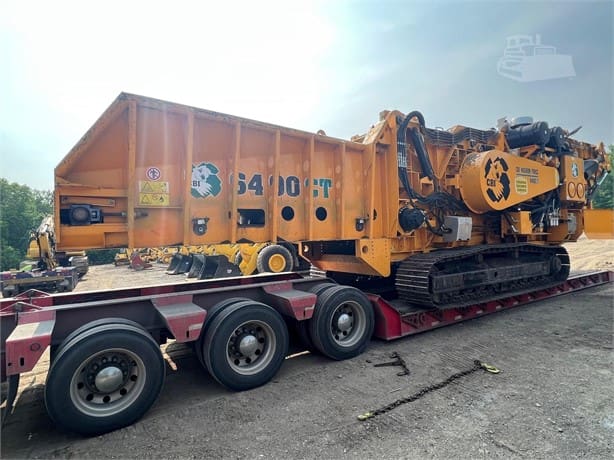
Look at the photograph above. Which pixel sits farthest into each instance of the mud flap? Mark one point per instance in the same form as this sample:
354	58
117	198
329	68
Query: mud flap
179	264
13	385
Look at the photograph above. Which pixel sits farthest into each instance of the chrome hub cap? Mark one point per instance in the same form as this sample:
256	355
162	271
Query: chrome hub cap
108	382
344	322
248	345
251	347
109	379
348	324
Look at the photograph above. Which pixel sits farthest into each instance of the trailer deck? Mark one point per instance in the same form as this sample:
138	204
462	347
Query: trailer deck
35	320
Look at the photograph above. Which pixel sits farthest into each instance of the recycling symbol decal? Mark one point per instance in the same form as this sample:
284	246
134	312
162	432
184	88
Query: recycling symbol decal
497	180
205	180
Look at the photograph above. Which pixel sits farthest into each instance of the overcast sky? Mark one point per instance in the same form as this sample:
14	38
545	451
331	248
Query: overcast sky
309	65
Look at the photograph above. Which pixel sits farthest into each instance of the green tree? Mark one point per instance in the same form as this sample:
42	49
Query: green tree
604	197
21	210
102	256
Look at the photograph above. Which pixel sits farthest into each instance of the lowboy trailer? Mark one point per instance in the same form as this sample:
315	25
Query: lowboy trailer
107	367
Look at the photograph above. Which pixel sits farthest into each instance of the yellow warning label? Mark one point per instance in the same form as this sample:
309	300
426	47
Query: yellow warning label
154	199
522	185
147	186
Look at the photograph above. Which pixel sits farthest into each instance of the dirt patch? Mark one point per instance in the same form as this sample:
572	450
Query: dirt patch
103	277
588	254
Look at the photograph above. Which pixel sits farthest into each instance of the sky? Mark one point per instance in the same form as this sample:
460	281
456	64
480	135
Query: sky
331	65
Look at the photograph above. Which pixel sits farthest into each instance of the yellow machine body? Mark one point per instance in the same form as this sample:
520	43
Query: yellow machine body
599	223
494	180
151	173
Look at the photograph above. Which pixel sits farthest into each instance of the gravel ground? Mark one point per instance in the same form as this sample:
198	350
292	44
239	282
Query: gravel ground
554	398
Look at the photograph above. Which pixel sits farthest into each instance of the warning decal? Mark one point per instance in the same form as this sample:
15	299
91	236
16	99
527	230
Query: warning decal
153	193
153	173
521	185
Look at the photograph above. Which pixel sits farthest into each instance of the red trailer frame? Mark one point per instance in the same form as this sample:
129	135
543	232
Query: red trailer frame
34	321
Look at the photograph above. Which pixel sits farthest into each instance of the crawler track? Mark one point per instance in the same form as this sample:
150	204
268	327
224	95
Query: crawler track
460	277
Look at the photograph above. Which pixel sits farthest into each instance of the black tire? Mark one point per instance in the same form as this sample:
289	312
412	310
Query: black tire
342	323
211	314
302	327
299	264
56	349
319	289
252	325
6	293
274	259
66	285
73	393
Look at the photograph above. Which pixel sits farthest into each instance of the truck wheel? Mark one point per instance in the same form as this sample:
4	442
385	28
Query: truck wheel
9	292
64	286
274	259
55	350
302	327
342	323
211	314
245	345
104	379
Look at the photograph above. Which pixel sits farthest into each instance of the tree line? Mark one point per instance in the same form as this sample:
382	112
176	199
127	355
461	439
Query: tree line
22	209
604	197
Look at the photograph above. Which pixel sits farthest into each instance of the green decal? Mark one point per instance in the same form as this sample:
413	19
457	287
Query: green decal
205	180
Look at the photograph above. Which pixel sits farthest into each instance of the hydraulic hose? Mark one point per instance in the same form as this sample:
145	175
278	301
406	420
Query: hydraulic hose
402	149
412	114
420	148
439	199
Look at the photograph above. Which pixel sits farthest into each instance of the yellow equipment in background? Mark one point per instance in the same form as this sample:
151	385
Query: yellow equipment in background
250	258
45	268
42	254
